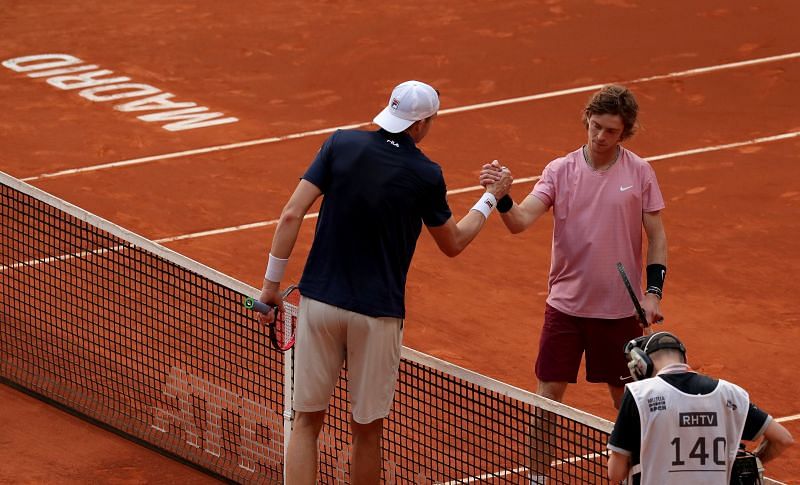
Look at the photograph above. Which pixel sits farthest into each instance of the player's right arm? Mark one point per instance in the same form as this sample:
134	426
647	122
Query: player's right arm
305	194
619	466
625	439
452	237
295	210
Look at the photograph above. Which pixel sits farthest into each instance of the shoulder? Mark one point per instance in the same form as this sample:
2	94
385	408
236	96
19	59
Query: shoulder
632	157
638	388
349	136
432	171
568	160
735	388
635	162
563	166
421	164
690	382
646	387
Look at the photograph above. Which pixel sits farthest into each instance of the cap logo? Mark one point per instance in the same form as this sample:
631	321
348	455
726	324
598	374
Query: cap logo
395	103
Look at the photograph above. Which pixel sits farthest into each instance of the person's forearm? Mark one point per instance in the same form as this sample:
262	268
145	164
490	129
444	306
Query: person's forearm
515	219
656	238
776	440
770	451
523	215
468	228
657	250
618	466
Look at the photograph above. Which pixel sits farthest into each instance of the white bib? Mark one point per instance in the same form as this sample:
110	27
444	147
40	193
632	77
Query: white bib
689	438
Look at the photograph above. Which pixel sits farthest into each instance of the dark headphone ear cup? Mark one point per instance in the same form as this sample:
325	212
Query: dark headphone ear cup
640	364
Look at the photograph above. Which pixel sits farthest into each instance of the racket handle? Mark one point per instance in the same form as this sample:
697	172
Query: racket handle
258	306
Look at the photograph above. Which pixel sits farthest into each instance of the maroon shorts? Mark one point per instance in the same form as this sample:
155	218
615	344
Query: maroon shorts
565	338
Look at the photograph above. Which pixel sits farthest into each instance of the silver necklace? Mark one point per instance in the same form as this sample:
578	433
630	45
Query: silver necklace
590	162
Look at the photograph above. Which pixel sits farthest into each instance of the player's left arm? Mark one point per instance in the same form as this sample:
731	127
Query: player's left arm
656	254
776	439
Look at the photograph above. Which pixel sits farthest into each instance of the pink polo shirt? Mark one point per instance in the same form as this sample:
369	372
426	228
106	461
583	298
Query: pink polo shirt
597	223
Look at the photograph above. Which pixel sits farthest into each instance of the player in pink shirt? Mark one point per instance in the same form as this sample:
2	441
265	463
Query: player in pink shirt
601	195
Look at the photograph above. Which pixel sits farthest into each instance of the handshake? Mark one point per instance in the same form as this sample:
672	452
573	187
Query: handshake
496	179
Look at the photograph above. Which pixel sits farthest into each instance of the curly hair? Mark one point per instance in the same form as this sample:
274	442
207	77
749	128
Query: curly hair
615	100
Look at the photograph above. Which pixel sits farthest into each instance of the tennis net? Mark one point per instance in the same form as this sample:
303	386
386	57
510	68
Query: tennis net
159	347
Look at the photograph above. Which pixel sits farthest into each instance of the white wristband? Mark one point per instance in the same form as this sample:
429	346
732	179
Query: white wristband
275	269
485	204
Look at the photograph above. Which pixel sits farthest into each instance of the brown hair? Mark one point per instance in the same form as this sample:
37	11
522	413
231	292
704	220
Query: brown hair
615	100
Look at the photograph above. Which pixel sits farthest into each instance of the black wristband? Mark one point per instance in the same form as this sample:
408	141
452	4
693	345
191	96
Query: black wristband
505	203
655	279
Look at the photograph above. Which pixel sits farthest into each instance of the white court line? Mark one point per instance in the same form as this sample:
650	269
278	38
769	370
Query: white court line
593	87
523	469
476	188
64	257
783	136
481	478
570	460
576	459
197	151
472	107
565	461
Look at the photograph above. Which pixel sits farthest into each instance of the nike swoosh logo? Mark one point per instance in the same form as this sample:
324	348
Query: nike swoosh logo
623	189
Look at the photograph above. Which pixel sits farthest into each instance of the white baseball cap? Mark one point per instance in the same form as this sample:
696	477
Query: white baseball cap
410	101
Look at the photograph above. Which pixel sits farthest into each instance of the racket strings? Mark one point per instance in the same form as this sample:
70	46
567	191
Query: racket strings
286	322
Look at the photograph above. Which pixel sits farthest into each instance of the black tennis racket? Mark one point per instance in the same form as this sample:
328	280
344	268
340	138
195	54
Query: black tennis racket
284	322
634	299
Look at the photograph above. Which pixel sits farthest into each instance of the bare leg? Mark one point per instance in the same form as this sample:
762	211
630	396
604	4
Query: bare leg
616	394
365	468
544	431
552	390
302	457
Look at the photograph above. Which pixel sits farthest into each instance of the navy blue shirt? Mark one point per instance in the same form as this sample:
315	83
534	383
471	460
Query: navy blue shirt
378	189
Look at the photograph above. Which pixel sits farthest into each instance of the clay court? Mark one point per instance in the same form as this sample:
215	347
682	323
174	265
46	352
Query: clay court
717	86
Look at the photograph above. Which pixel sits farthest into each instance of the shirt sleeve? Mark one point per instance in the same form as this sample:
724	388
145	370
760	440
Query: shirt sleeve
652	200
437	211
755	424
626	436
545	188
319	172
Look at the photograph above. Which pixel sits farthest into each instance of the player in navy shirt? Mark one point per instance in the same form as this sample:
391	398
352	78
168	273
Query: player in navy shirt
378	190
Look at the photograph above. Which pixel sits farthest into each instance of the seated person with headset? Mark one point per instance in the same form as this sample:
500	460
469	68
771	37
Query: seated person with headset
684	427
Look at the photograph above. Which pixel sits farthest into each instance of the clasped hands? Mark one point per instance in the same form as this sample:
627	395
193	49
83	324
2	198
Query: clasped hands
496	178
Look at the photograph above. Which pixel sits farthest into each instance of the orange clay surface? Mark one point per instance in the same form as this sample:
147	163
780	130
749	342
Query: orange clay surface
732	214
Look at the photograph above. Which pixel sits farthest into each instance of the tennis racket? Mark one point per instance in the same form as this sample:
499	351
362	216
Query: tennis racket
284	322
634	299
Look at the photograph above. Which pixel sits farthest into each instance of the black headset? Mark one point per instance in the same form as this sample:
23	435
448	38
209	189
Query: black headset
638	351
